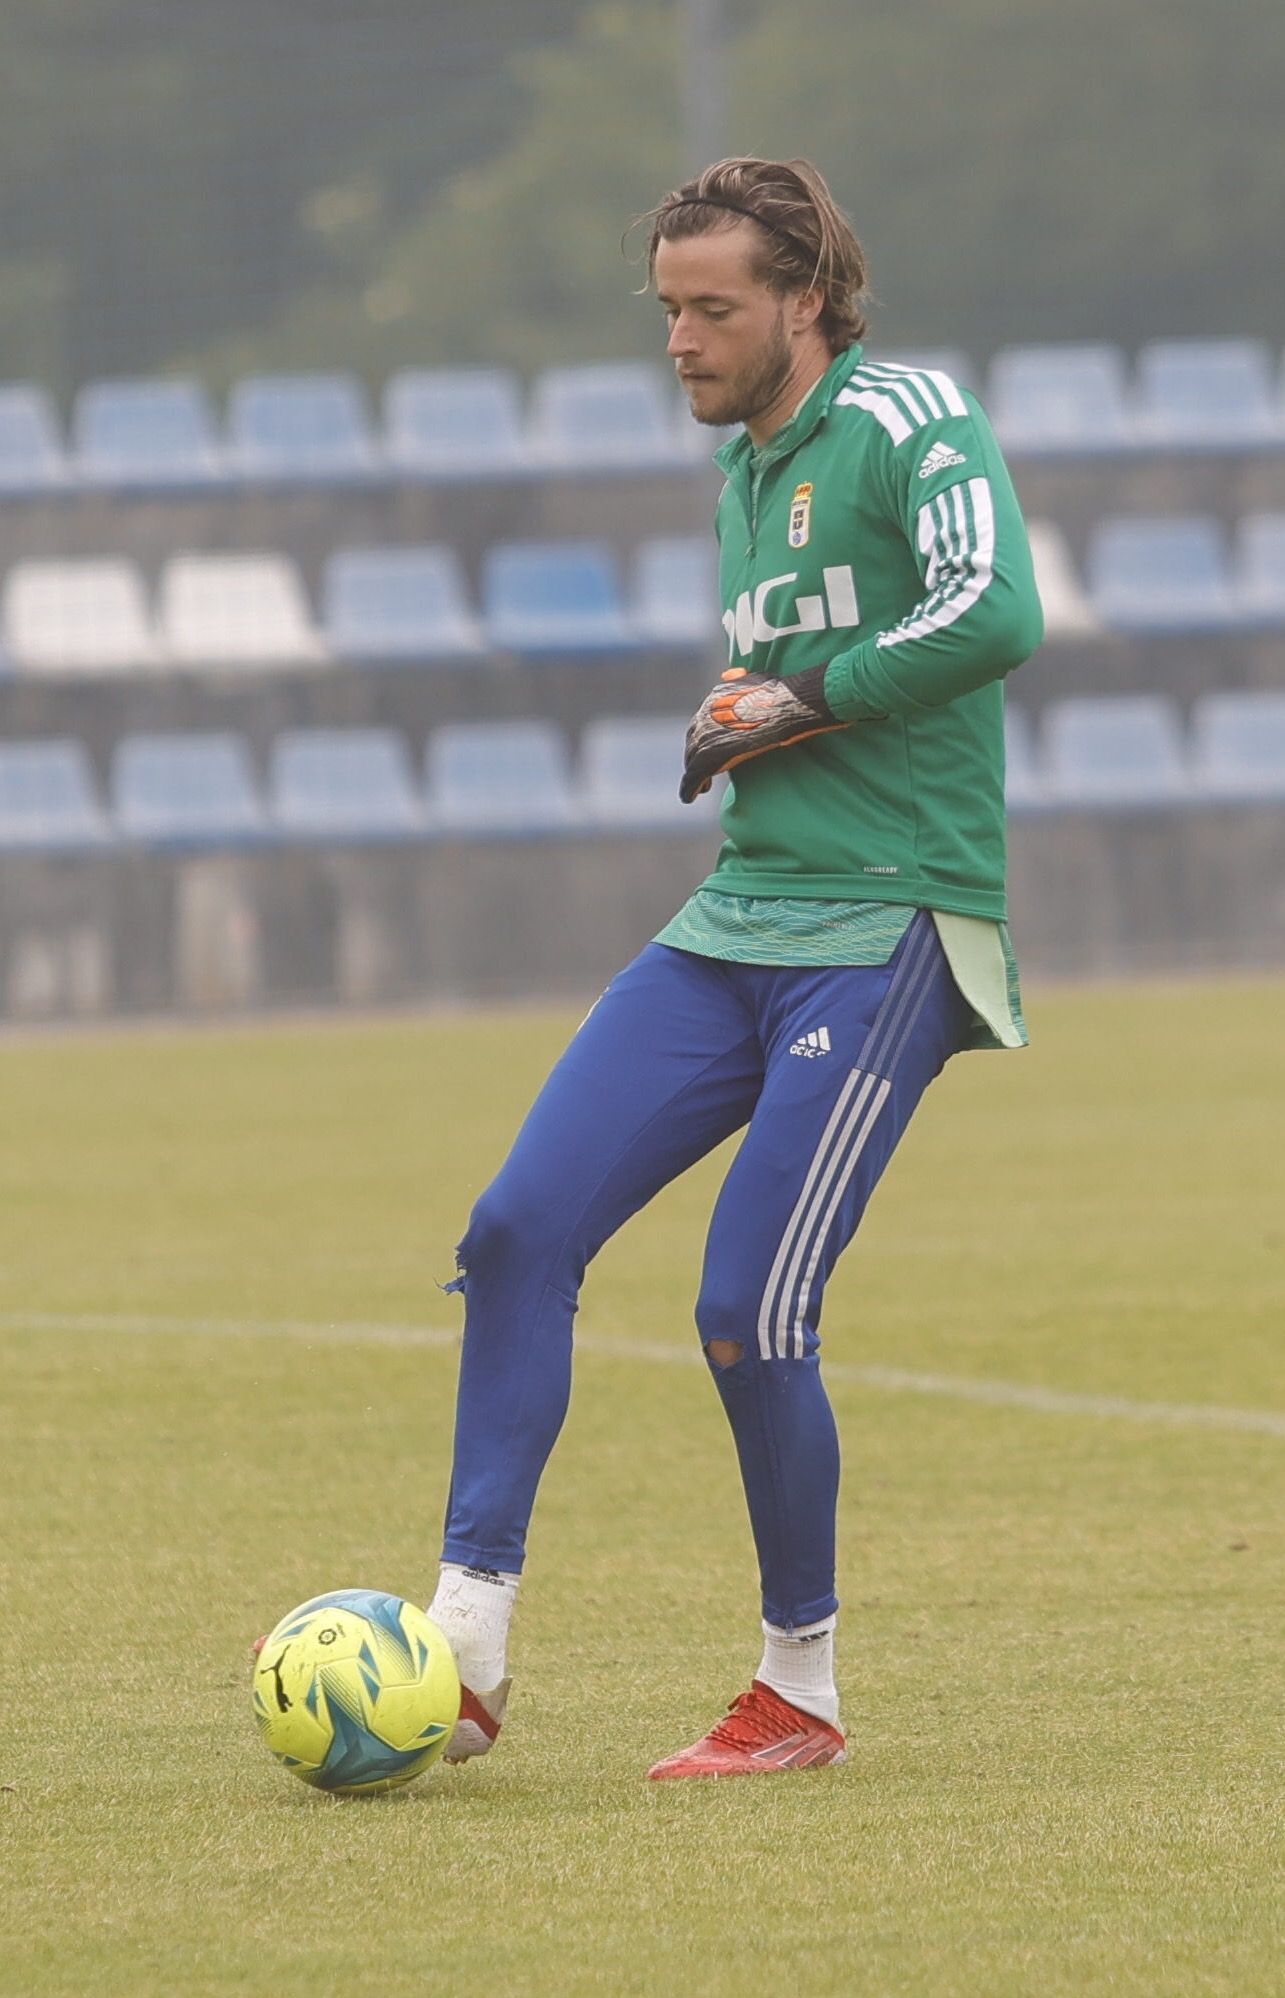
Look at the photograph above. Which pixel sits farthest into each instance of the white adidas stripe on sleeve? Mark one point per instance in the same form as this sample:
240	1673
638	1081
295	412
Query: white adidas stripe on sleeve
963	571
902	399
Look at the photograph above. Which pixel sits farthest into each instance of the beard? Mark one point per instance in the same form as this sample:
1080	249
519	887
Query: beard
755	388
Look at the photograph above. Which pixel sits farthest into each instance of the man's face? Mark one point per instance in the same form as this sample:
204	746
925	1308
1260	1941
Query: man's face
729	335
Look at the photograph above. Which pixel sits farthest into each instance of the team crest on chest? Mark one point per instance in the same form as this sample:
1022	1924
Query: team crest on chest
801	516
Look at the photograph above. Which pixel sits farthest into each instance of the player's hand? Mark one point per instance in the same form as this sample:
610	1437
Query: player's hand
746	715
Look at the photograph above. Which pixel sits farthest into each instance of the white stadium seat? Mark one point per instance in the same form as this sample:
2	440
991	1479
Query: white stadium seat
78	617
237	610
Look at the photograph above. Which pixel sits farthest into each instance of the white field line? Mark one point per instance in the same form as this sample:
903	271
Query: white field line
888	1380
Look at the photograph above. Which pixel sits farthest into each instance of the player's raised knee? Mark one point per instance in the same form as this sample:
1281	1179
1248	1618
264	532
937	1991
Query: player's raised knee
509	1222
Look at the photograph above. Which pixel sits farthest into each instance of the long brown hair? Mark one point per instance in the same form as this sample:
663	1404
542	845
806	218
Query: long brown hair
805	238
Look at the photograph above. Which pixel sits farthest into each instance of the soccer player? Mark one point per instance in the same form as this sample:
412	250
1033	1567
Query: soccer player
877	587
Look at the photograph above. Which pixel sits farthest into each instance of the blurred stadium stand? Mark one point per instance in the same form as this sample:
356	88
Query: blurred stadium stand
306	430
353	784
455	423
1238	748
1127	754
32	460
364	669
399	603
78	617
617	417
185	790
1055	399
494	778
236	610
1149	574
543	597
1209	395
47	798
154	436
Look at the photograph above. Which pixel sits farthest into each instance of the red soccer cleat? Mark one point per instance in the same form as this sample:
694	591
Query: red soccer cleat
481	1715
762	1733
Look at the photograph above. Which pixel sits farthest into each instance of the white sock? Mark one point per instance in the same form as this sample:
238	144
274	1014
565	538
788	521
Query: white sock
799	1665
472	1608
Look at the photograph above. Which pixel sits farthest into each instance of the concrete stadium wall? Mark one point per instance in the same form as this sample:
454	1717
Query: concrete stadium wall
213	934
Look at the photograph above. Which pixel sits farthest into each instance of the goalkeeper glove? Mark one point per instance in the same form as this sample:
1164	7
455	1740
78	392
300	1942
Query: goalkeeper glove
746	715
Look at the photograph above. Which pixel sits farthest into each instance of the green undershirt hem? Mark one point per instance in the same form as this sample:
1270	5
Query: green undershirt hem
785	930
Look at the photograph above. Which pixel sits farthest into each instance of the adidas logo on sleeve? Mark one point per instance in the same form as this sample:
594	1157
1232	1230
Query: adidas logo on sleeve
812	1045
939	459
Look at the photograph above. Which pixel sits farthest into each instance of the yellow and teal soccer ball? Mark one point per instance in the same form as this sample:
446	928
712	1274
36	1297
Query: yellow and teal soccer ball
356	1691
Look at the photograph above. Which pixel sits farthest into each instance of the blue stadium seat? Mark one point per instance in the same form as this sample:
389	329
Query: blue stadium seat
675	599
150	434
344	784
499	778
48	799
31	452
300	429
629	771
1115	754
1260	567
1208	394
399	603
1060	400
1151	574
454	423
1023	783
1238	748
185	790
554	597
614	416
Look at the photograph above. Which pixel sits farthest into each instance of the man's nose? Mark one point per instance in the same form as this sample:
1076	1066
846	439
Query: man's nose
682	337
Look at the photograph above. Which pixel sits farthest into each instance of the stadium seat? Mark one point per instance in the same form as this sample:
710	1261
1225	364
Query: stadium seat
675	599
554	597
608	417
399	603
1238	748
149	434
236	610
629	771
48	798
1115	754
1023	784
78	617
344	784
31	452
454	423
1151	574
1260	567
185	790
1067	612
499	778
1061	399
1210	394
300	429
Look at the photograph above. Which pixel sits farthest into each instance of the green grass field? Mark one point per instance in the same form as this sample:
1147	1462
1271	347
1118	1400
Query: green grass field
228	1384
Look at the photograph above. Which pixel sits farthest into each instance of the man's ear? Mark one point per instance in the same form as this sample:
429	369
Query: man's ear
807	307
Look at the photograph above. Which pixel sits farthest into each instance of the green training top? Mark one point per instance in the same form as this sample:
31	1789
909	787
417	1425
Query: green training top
878	531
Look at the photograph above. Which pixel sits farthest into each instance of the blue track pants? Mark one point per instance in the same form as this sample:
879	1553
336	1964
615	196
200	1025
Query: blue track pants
824	1066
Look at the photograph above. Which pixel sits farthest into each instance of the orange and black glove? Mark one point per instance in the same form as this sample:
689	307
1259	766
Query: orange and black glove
746	715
